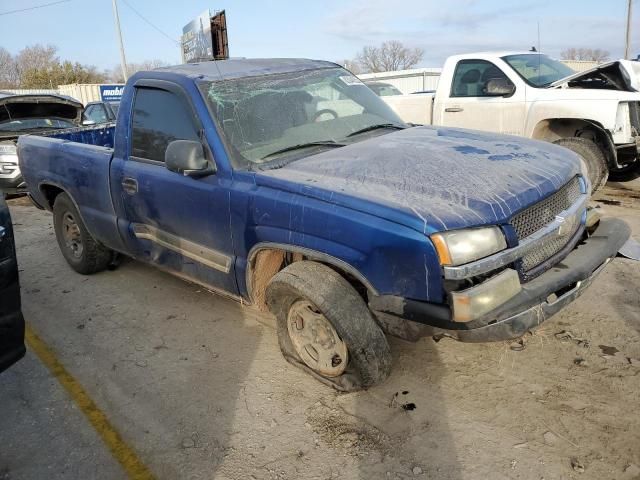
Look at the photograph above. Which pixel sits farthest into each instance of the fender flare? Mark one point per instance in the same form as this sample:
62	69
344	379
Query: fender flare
604	135
65	191
307	252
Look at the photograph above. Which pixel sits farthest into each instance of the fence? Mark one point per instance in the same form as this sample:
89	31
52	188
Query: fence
407	81
83	92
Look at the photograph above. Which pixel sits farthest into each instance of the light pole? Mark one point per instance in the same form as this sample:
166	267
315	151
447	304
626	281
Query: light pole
627	43
123	59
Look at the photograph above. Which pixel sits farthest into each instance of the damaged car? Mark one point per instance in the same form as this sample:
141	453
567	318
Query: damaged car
595	113
20	114
289	185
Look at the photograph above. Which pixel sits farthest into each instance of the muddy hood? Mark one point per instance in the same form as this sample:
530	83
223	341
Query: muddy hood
430	178
621	75
20	107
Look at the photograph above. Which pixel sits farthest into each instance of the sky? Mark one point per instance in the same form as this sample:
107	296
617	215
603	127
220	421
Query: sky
84	31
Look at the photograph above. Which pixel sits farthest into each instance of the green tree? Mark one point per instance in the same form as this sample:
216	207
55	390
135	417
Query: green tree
60	74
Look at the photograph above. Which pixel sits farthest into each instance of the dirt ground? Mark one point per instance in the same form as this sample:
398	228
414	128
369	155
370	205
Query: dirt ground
196	385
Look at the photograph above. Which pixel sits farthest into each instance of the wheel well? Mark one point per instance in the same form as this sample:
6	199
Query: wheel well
554	129
50	192
266	262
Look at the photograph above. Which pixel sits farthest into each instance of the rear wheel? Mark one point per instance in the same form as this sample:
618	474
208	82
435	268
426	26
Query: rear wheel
593	156
78	247
325	327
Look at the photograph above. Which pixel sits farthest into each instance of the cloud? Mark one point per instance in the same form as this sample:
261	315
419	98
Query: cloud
463	26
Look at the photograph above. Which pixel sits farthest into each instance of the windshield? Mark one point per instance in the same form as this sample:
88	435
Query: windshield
538	70
272	116
34	123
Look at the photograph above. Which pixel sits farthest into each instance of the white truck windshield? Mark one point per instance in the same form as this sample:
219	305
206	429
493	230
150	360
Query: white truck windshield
538	70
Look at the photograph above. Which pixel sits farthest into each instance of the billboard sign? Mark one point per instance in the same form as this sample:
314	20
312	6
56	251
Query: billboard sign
111	93
197	43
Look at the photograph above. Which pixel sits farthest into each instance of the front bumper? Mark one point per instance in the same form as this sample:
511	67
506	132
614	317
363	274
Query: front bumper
539	299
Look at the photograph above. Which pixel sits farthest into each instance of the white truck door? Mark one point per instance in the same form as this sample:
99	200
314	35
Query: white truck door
470	104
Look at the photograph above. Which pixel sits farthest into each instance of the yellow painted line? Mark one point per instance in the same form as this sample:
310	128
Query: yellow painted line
122	452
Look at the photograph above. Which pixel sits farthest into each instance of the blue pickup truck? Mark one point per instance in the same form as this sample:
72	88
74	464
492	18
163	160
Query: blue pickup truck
290	185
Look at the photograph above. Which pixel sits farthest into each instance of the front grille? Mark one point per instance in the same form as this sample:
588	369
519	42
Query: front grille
539	255
532	219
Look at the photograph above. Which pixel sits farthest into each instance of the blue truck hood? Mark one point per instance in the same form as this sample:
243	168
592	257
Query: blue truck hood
431	179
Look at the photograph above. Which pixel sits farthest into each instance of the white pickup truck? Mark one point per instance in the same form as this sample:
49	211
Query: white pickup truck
595	113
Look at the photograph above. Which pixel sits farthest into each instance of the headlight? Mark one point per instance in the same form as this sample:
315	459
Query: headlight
8	159
477	301
622	129
458	247
8	149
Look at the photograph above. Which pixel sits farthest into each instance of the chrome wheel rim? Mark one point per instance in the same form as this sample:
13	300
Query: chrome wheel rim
315	340
71	235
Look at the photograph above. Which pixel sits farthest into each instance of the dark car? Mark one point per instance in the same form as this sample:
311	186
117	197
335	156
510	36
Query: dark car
383	89
100	112
22	114
11	320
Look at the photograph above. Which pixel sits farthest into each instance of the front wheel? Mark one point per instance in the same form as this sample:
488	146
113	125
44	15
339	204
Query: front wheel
592	155
325	327
78	247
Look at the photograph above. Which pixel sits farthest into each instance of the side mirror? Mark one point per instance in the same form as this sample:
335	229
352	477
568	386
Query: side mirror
86	123
499	87
187	157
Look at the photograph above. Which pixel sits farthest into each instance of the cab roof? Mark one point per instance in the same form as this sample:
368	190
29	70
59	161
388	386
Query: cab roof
245	67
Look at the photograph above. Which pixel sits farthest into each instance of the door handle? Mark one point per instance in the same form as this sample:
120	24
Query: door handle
454	109
130	185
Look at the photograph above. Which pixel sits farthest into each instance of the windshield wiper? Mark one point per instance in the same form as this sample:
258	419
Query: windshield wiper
376	127
327	143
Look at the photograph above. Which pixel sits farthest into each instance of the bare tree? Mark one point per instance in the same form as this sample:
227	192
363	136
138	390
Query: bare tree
115	75
389	56
38	66
9	77
36	57
589	54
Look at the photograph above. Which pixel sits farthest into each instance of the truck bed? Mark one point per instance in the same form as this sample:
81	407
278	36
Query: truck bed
101	135
76	160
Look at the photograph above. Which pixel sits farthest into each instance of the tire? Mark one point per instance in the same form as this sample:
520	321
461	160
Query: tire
627	173
593	156
78	247
334	299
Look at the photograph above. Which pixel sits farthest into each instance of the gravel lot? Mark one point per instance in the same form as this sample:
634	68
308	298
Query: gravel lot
196	385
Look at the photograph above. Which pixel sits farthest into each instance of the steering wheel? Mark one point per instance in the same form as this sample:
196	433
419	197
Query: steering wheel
319	113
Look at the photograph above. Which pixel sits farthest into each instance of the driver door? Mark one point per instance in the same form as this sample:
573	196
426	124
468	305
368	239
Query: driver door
175	221
469	106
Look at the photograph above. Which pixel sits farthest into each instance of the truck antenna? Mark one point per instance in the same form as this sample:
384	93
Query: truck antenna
539	50
627	42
